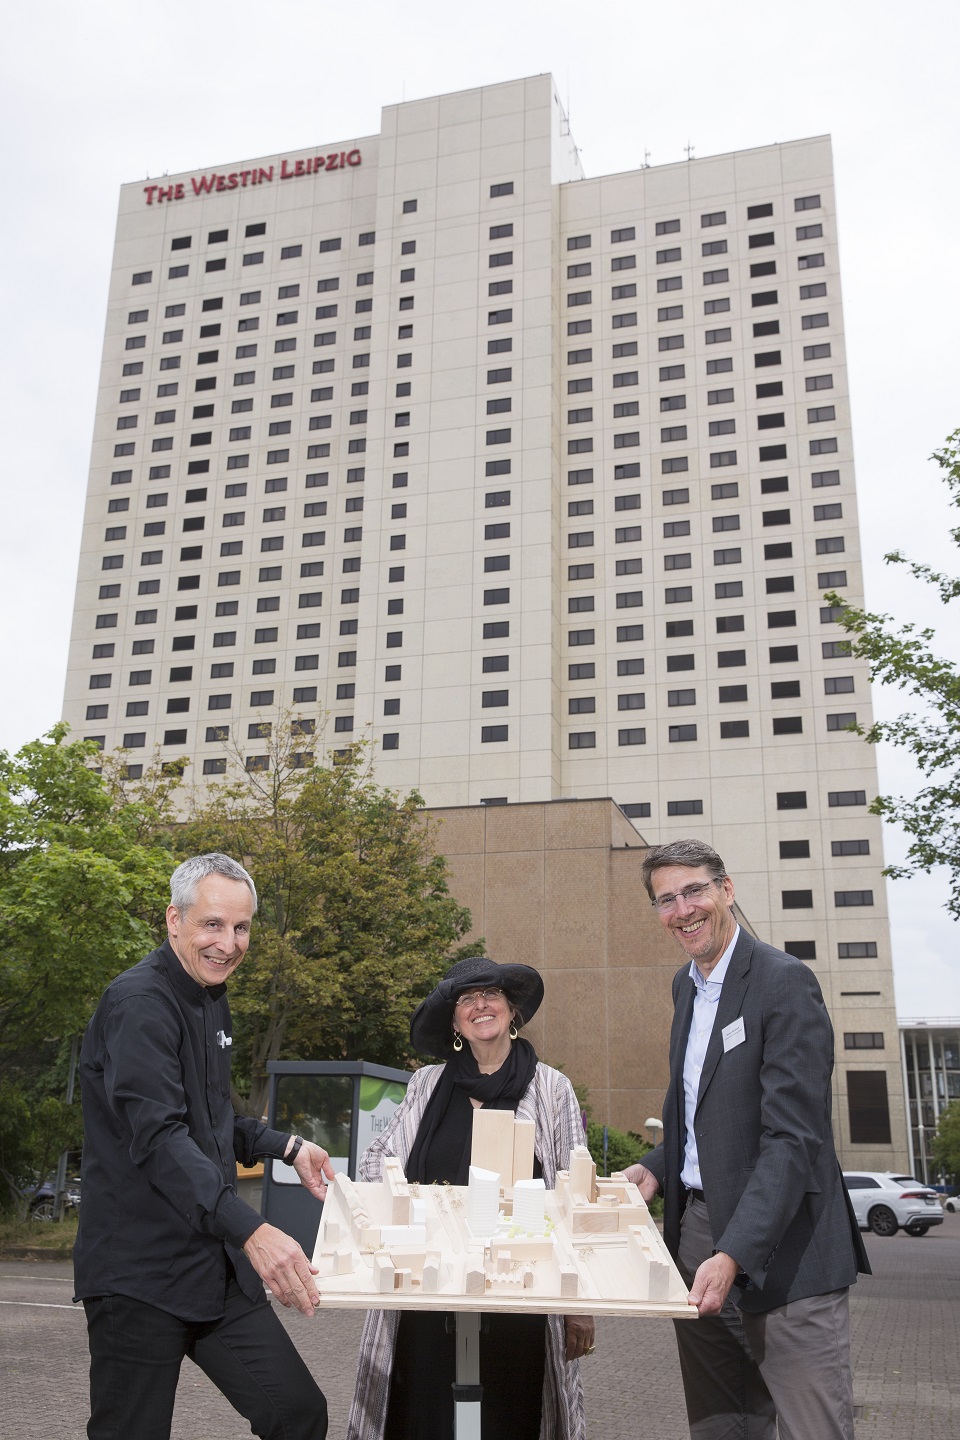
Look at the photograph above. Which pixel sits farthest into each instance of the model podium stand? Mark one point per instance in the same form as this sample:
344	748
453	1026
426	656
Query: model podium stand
502	1242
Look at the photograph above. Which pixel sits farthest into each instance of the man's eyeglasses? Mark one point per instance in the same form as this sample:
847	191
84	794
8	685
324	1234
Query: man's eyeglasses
470	997
690	893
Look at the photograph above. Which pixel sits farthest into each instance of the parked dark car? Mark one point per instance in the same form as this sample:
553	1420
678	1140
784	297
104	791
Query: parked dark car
43	1201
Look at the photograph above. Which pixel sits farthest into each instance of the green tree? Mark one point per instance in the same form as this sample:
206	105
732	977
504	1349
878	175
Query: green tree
355	922
903	656
623	1147
83	874
946	1142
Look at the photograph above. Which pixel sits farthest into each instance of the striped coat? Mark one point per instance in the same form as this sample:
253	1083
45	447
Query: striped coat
550	1103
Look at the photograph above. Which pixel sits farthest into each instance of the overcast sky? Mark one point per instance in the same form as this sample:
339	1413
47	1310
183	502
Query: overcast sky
97	95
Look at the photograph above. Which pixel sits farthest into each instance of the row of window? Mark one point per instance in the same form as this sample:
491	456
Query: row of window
621	234
667	373
726	659
681	734
682	560
759	299
287	252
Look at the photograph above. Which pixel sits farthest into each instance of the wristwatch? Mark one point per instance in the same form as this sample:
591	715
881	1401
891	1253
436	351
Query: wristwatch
295	1151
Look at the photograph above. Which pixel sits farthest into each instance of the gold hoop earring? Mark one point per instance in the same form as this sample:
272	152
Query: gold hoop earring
514	1032
457	1041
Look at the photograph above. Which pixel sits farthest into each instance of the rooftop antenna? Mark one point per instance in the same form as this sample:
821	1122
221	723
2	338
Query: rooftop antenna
646	160
689	150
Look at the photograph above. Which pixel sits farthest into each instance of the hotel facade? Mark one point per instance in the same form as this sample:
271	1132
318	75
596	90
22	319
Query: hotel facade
536	481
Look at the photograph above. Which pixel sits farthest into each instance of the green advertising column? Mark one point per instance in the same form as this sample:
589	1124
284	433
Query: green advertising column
341	1105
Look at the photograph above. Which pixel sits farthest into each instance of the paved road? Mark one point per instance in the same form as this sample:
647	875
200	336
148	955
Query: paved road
906	1341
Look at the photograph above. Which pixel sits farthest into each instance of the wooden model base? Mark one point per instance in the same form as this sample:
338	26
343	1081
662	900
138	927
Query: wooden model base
400	1246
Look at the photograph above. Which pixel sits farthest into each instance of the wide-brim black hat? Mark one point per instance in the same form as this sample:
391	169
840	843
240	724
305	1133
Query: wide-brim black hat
431	1029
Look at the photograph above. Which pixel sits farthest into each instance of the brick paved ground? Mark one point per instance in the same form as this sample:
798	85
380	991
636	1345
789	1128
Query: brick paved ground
906	1344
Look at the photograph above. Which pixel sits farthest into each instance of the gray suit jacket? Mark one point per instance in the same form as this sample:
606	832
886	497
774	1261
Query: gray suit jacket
769	1171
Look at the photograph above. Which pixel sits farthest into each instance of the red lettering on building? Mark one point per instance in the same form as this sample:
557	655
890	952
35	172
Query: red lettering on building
264	174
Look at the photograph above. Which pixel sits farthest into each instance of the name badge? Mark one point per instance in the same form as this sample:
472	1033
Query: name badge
733	1035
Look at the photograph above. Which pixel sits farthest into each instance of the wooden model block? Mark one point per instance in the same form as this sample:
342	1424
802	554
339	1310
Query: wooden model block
492	1143
569	1283
655	1271
332	1232
591	1220
476	1280
630	1215
431	1274
342	1260
403	1280
583	1173
523	1247
391	1235
398	1189
523	1137
369	1237
383	1273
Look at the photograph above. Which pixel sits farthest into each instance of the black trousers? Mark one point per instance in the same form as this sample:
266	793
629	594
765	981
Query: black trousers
512	1356
136	1352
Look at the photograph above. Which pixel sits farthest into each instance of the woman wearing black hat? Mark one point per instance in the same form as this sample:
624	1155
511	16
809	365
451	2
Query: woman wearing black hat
528	1363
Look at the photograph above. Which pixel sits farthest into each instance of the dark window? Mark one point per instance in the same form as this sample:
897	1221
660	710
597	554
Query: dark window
863	1040
846	797
868	1107
857	950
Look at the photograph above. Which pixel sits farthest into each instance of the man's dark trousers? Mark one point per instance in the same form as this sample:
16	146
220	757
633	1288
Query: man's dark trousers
136	1351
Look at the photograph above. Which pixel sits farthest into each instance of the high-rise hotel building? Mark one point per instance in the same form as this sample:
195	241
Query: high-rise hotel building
536	480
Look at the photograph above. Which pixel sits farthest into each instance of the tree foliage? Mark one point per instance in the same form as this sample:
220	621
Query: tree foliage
83	875
624	1148
355	922
903	656
946	1142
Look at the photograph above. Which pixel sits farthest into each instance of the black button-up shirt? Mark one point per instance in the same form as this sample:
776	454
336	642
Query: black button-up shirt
160	1211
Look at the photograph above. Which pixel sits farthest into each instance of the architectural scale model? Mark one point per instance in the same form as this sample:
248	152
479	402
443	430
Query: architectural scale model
503	1242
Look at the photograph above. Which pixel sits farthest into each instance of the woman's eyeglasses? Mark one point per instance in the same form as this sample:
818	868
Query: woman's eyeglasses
470	997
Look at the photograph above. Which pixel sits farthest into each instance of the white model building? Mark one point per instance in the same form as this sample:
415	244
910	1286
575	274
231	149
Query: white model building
529	1197
483	1200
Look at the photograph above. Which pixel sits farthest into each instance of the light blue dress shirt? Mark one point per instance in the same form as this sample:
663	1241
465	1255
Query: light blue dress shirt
701	1028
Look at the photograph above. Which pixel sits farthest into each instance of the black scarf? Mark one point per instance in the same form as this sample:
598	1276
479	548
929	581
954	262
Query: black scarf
500	1091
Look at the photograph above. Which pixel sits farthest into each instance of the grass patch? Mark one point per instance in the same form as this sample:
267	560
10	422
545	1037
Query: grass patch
38	1239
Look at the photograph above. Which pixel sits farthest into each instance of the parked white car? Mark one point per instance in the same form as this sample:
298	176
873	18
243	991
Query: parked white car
952	1203
884	1202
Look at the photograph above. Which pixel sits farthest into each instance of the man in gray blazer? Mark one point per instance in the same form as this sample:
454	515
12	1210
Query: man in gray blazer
755	1210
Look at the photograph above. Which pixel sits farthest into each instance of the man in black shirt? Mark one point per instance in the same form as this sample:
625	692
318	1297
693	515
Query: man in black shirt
169	1261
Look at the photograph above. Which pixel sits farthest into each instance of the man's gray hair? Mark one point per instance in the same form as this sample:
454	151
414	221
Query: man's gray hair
693	853
186	877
